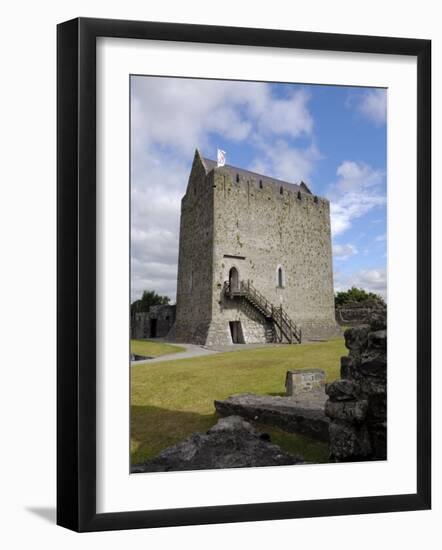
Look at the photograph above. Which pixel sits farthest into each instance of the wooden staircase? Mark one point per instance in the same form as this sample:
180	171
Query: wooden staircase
283	329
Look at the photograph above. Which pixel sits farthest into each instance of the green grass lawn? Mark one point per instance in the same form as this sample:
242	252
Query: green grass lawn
171	400
149	348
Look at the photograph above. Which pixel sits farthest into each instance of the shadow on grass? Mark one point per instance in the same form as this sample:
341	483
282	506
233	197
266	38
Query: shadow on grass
154	429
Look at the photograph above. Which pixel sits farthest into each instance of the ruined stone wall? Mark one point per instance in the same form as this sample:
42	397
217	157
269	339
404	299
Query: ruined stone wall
357	404
356	313
142	323
195	274
164	315
257	230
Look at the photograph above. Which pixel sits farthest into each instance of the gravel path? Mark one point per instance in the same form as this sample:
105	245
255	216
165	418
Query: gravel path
192	350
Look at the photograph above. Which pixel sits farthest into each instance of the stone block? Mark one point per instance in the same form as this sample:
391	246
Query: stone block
304	380
348	366
343	390
373	366
377	404
349	442
348	411
378	340
356	339
378	320
371	386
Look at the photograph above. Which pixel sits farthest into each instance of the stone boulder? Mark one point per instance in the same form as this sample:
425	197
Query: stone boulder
231	443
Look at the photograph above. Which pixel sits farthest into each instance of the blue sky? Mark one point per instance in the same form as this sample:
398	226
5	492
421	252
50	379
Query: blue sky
332	137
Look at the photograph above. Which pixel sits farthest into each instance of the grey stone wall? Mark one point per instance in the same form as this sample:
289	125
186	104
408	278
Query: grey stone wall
195	274
256	229
156	323
354	314
357	404
266	230
140	326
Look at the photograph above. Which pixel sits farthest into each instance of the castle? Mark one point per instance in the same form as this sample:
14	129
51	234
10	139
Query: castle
255	259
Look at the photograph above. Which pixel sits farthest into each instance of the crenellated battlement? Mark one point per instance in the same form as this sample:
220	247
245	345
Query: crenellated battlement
235	178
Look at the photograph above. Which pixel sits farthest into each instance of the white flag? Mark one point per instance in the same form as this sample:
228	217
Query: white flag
221	158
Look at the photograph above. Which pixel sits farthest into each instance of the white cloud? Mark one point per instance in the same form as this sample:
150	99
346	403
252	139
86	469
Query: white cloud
371	280
172	116
371	104
181	113
358	189
381	238
288	116
344	251
357	176
286	162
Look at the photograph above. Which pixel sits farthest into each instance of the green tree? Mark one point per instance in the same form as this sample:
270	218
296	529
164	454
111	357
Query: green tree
358	296
149	298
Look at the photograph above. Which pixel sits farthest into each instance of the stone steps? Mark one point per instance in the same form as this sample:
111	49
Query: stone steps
267	310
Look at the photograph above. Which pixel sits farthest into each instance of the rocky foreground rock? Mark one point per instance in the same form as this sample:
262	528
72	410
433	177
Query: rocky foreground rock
231	443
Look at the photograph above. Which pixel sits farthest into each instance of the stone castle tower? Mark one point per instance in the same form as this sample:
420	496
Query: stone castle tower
255	260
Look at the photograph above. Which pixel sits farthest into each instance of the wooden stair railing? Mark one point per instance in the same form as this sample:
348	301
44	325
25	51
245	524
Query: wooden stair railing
287	328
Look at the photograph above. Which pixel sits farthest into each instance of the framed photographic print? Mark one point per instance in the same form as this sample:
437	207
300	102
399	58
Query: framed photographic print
243	224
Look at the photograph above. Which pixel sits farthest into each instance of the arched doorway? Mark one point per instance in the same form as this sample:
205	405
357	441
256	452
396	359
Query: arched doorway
233	279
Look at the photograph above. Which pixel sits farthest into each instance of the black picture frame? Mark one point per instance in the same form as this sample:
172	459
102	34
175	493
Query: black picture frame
76	273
